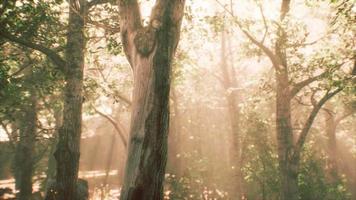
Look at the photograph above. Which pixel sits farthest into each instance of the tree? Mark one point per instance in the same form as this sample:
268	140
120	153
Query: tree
332	121
25	149
289	145
149	50
67	153
26	81
229	82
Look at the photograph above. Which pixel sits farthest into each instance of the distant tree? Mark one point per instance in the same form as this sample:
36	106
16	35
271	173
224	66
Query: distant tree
290	144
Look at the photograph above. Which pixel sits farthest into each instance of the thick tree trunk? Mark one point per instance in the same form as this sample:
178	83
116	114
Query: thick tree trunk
147	151
230	82
68	148
24	158
150	51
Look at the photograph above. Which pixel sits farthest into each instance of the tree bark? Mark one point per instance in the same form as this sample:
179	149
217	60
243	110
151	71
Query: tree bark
150	51
68	148
24	157
287	166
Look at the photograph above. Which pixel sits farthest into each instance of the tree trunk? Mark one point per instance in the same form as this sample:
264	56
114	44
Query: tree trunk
330	128
288	166
24	158
229	83
288	163
68	148
174	139
109	159
51	163
150	51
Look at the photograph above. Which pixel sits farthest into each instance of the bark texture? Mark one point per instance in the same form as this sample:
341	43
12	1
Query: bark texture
149	50
24	157
67	153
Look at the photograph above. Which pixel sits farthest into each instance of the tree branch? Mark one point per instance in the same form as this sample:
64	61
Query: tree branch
349	113
98	2
297	87
264	22
57	60
116	126
274	59
311	118
130	21
168	13
285	7
124	99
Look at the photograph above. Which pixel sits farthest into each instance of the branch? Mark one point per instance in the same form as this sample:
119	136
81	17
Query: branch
264	22
130	15
112	29
162	7
130	21
98	2
57	60
116	126
124	99
349	113
311	118
274	59
297	87
169	14
21	69
285	7
116	94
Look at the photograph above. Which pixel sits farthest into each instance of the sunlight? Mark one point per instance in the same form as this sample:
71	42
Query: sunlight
223	100
3	136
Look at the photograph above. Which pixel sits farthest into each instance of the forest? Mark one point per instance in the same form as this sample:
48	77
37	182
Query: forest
178	99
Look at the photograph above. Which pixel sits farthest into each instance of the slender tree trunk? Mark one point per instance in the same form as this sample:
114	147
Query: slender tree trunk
174	140
330	128
68	148
51	164
150	52
24	158
229	84
109	159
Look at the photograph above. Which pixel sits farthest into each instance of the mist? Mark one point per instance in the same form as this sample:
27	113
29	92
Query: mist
157	99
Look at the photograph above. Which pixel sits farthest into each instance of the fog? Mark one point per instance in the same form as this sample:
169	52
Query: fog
257	100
